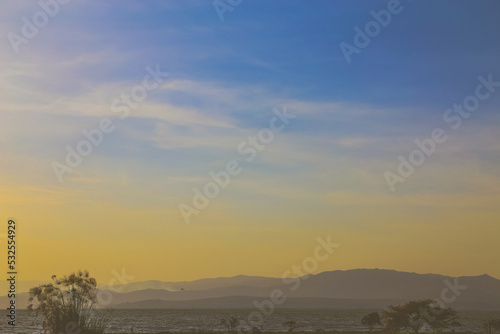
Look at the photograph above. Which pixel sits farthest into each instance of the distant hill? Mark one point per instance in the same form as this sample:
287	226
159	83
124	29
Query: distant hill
360	288
202	284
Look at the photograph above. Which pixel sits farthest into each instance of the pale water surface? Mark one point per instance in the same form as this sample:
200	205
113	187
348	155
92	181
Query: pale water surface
163	321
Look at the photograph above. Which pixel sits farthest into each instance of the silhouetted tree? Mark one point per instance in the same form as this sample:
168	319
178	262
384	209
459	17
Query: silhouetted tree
413	315
371	320
68	304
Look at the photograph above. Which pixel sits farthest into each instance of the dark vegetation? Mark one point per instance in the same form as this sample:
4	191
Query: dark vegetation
68	305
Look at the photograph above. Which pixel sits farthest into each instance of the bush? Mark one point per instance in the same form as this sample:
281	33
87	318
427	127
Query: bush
371	320
69	304
415	315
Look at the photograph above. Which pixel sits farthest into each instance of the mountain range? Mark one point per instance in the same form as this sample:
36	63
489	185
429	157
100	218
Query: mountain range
359	288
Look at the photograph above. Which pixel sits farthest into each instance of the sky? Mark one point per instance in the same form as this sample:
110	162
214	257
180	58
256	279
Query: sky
174	91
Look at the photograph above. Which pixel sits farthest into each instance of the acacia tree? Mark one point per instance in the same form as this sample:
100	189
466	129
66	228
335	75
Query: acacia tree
69	303
414	315
371	320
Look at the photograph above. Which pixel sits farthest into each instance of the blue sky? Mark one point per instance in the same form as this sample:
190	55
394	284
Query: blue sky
323	173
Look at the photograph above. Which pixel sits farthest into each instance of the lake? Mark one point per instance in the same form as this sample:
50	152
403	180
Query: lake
161	321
